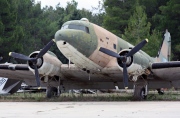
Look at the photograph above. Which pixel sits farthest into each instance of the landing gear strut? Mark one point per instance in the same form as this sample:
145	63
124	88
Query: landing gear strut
140	92
51	92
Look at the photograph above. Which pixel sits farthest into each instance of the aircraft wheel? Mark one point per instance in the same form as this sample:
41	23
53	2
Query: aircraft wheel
139	93
160	92
51	92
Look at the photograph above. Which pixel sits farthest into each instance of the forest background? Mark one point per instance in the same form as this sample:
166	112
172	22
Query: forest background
26	27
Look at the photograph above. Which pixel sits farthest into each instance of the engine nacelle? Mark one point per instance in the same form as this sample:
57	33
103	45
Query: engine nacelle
48	65
135	64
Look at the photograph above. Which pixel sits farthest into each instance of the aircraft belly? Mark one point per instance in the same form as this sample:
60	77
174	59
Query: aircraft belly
77	74
76	57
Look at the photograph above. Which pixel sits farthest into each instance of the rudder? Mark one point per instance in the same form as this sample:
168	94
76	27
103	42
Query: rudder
164	53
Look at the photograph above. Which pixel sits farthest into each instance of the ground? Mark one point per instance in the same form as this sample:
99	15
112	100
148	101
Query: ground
90	109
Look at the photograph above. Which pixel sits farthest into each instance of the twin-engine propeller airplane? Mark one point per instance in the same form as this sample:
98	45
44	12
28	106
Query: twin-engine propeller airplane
98	59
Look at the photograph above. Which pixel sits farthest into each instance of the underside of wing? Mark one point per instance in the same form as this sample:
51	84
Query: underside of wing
170	74
16	71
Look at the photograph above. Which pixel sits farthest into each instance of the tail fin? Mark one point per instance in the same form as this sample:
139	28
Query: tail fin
164	53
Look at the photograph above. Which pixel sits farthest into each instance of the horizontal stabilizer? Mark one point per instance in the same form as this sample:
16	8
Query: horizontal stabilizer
166	65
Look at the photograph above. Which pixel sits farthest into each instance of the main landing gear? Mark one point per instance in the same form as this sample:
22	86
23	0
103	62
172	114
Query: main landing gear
51	92
140	91
160	91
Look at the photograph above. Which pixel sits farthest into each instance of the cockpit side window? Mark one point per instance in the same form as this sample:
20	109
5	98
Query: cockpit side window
77	27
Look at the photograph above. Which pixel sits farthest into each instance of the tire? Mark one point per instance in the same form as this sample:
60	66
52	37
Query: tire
160	92
142	94
139	93
51	92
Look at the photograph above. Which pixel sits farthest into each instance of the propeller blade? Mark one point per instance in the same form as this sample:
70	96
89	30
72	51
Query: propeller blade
125	76
137	48
20	56
109	52
37	76
45	49
1	58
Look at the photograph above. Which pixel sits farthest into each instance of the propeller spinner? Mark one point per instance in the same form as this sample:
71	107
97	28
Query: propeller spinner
124	58
34	60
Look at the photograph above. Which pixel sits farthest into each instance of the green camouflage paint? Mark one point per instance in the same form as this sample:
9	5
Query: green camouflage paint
84	42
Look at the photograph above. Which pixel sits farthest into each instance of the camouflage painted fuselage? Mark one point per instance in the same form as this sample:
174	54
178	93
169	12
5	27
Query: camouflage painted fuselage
80	40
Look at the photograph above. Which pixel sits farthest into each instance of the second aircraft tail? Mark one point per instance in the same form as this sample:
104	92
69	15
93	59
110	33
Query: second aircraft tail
164	53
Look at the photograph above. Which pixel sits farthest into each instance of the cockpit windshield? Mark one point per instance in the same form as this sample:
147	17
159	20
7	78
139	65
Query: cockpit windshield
77	27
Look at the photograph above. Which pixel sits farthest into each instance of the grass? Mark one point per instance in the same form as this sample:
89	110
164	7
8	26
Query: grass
40	97
124	96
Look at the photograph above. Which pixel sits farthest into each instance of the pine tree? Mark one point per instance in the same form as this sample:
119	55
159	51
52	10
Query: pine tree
169	19
139	29
11	33
117	14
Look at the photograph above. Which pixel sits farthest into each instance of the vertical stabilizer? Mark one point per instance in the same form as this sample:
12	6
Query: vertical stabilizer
164	53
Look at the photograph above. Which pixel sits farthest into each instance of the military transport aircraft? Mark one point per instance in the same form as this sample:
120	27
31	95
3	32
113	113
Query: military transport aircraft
98	59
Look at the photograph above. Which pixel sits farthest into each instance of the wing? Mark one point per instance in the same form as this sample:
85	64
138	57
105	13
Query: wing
17	71
168	71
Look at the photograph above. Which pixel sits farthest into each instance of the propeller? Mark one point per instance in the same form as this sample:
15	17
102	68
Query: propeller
34	60
124	58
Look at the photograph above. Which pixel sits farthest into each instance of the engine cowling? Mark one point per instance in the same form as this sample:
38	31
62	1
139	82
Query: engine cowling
135	64
48	65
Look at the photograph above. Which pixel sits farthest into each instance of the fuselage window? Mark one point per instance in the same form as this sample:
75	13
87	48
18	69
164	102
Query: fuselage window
87	29
77	27
114	46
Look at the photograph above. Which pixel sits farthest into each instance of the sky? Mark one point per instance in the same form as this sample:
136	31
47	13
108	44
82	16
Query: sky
87	4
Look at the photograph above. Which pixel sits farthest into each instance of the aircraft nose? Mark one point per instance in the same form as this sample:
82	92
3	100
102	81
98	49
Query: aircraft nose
80	40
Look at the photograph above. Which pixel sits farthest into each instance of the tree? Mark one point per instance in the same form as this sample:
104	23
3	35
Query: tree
152	9
139	29
71	11
169	19
11	32
117	14
25	27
